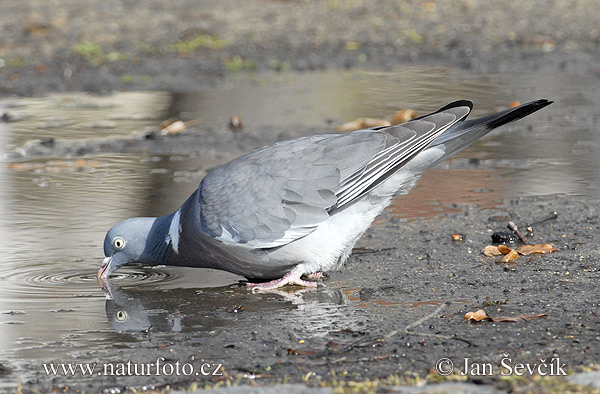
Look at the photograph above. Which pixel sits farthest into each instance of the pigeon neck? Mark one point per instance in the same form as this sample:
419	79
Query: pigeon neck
163	240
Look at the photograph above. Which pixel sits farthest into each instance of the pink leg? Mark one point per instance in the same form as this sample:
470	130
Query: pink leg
291	278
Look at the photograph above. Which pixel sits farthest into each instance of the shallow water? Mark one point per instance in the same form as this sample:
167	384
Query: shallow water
56	211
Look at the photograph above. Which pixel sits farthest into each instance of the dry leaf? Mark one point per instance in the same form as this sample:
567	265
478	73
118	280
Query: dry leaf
491	251
476	316
510	256
458	237
504	249
363	123
512	319
513	254
403	116
538	248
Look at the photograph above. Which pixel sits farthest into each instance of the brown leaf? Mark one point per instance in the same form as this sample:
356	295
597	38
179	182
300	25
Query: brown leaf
491	250
512	319
458	237
363	123
538	248
504	249
476	316
403	116
510	256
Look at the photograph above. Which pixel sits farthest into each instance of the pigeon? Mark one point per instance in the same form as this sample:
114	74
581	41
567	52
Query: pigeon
293	210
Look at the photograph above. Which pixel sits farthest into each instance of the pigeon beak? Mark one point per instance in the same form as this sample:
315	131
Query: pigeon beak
104	270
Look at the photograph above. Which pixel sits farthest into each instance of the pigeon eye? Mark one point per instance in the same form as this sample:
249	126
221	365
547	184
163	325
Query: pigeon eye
119	243
121	316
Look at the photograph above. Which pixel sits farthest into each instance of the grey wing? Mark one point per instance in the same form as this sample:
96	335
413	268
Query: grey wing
281	193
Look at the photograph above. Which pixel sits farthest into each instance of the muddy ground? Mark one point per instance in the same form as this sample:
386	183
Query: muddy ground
358	327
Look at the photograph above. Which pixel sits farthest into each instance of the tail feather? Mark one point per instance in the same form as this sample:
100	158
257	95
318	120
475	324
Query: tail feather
464	133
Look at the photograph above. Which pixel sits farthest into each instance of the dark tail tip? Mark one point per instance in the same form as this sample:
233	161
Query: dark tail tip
519	112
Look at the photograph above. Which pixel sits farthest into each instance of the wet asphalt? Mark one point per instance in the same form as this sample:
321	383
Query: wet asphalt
398	306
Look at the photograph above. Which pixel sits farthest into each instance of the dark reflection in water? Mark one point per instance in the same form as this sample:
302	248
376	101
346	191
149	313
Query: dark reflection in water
213	309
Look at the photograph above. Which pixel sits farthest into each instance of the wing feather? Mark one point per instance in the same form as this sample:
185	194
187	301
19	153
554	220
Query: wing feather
283	192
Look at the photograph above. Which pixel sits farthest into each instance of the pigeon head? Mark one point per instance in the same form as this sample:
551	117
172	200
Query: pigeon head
125	243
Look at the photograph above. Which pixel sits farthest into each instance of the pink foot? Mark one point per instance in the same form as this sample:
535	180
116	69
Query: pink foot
291	278
315	276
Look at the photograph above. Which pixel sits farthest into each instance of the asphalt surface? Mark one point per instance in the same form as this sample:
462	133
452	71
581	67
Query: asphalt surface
393	311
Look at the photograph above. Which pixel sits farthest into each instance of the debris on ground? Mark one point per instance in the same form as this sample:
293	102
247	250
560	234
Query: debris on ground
403	116
482	315
363	123
457	237
175	126
235	123
524	250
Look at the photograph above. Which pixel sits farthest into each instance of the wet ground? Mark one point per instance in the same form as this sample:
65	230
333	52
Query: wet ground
76	163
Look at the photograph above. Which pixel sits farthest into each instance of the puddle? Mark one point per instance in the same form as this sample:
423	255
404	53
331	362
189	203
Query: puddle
56	211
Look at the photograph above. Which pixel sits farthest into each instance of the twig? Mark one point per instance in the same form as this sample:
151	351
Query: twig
513	227
416	323
362	250
551	216
405	330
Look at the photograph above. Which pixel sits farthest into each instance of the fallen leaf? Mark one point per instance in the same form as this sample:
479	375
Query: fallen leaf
363	123
476	316
537	248
403	116
513	254
504	249
458	237
512	319
491	251
510	256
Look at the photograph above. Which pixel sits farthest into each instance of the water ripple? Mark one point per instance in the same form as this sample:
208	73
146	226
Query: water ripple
35	281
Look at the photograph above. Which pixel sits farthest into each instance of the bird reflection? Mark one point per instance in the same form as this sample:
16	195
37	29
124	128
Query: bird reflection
208	309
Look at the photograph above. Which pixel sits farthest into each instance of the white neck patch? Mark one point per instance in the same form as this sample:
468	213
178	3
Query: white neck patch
174	230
